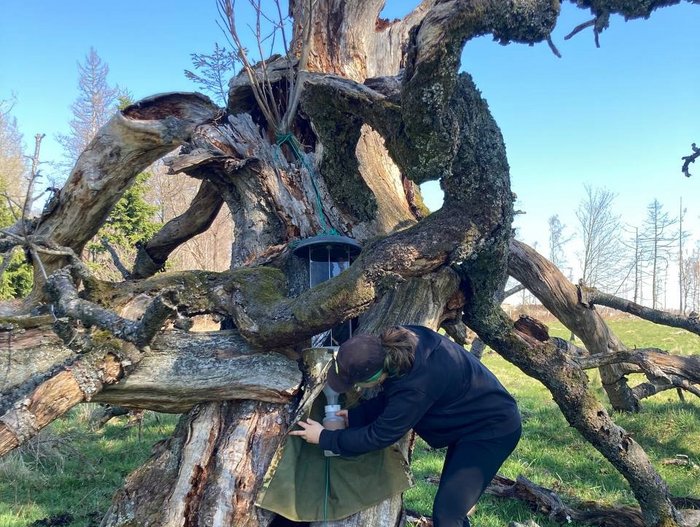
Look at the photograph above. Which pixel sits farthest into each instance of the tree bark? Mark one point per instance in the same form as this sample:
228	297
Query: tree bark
569	386
658	365
208	473
102	361
185	369
590	296
55	396
29	347
197	219
177	371
128	143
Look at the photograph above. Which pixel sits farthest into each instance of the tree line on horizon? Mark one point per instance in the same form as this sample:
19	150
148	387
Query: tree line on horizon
637	262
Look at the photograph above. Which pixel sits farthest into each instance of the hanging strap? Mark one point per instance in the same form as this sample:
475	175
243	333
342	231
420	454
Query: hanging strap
327	492
293	143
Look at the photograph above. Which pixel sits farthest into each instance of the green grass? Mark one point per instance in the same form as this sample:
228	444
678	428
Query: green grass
554	455
69	468
636	333
77	470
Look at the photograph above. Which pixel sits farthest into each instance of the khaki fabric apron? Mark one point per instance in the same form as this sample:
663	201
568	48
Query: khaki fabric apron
302	484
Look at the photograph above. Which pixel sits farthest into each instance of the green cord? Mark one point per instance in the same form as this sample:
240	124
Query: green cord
328	490
296	148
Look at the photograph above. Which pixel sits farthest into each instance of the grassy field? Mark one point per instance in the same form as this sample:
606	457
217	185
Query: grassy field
74	471
554	455
70	472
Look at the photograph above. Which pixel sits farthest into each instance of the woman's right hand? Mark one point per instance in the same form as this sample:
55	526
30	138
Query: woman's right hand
344	415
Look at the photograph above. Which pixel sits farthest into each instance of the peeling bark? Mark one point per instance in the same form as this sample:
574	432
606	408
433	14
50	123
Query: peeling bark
176	372
55	396
364	137
184	369
102	362
207	473
345	40
29	347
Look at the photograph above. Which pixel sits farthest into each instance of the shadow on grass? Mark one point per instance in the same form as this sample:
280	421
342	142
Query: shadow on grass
67	475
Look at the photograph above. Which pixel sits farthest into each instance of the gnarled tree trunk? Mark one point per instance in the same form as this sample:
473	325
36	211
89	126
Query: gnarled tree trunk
272	202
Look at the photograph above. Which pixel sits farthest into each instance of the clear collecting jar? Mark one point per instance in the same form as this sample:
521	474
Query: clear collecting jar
332	422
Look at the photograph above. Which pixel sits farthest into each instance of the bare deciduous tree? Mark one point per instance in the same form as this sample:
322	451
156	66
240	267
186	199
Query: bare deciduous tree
690	285
658	238
599	229
682	236
557	241
637	251
13	164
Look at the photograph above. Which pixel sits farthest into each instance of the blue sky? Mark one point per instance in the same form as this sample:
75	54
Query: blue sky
618	117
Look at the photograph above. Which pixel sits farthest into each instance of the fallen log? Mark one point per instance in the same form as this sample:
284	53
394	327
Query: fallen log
560	297
185	369
79	382
590	296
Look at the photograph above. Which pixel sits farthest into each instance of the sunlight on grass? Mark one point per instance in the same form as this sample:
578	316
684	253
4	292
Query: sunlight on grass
71	469
554	455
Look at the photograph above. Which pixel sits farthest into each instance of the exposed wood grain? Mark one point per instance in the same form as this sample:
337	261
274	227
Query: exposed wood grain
128	143
54	397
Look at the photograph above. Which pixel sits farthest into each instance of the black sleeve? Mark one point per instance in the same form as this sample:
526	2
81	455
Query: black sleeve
367	411
404	408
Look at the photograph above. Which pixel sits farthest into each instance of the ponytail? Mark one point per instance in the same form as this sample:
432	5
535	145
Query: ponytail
400	347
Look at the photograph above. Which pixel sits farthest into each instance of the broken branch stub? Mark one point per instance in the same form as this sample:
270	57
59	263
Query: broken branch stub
129	142
105	365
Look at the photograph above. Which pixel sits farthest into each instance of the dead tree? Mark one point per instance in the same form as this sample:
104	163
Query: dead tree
382	109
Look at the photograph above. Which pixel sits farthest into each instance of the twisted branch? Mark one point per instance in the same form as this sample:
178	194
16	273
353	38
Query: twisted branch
690	159
590	296
63	292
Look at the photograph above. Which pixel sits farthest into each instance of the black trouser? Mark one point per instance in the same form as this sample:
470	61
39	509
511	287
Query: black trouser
469	467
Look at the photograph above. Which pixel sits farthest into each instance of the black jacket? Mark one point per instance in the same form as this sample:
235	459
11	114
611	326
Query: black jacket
447	395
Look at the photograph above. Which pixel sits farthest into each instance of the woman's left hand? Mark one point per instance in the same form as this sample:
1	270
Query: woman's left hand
311	431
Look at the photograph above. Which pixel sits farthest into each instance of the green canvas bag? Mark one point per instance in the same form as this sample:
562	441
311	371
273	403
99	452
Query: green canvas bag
302	484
